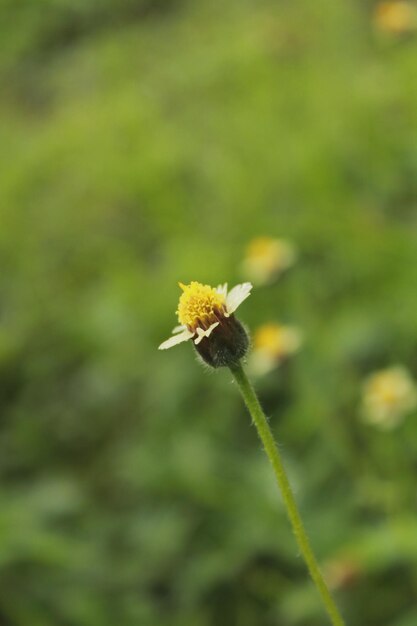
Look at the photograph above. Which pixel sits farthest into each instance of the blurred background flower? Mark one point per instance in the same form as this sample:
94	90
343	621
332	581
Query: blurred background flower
272	344
342	572
396	17
266	258
388	396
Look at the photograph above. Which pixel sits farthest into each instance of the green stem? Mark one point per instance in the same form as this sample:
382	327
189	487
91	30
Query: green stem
266	436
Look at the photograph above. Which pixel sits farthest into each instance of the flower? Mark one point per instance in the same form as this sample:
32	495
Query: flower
272	344
396	17
388	395
342	572
206	315
266	258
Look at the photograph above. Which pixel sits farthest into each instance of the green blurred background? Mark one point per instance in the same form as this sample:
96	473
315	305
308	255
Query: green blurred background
144	143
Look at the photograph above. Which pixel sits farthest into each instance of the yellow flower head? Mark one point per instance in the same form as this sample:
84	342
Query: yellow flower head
203	309
388	395
396	17
200	305
266	258
272	344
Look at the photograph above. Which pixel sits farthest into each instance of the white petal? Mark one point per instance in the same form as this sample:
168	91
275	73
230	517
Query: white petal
236	296
222	289
205	333
172	341
178	329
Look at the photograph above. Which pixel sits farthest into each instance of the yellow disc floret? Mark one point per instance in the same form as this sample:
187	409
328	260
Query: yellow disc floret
199	305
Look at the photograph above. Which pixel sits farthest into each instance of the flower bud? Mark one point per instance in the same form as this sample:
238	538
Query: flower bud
226	346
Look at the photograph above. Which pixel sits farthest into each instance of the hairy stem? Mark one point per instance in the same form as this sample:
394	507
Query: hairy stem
271	449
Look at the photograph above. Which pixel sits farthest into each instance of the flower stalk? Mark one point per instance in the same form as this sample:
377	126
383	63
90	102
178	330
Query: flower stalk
206	315
265	434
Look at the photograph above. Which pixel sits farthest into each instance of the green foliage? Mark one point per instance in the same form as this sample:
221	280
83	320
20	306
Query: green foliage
145	143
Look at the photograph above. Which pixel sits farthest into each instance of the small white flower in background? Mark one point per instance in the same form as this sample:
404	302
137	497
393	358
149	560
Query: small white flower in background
266	258
388	396
396	17
272	344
